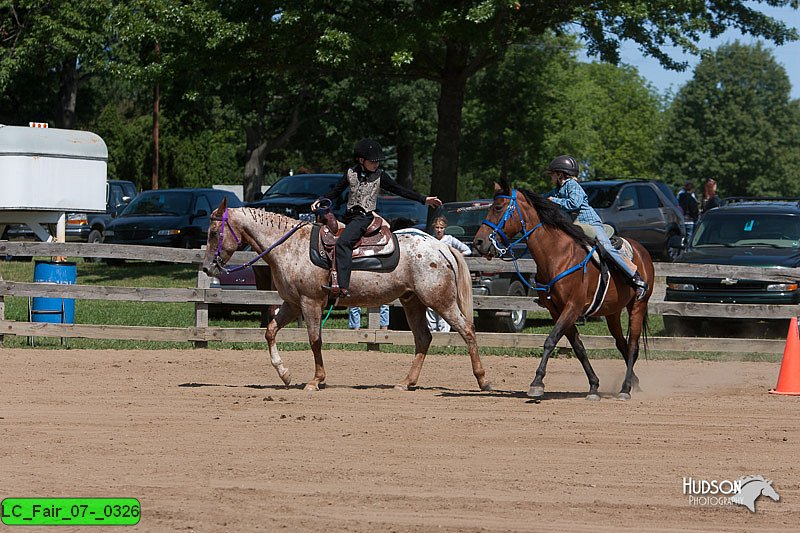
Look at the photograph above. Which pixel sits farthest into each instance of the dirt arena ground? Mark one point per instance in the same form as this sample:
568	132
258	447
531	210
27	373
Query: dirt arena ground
208	441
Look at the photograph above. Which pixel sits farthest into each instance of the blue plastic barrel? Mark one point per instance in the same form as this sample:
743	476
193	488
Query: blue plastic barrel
50	309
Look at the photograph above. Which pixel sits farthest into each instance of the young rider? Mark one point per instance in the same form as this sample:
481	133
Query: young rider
571	197
365	180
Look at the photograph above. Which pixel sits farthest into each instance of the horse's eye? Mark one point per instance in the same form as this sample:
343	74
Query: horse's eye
498	207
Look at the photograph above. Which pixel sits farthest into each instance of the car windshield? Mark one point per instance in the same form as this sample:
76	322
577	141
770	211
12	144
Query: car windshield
160	203
748	229
464	223
302	185
601	196
411	211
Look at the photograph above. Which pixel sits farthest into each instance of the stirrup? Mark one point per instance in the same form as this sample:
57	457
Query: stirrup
336	291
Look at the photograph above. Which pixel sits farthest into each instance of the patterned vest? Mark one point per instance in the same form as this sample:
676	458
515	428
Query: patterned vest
364	189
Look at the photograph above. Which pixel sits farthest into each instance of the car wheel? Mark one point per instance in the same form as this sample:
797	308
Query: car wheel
679	326
515	321
670	254
95	237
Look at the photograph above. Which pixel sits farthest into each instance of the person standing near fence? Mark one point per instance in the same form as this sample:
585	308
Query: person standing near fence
435	322
691	210
710	198
354	319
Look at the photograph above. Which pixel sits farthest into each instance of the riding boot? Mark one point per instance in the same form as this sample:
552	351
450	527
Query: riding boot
640	285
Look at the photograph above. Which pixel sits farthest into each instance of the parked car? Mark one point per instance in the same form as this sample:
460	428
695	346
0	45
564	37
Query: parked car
763	233
177	218
646	211
293	195
464	225
90	227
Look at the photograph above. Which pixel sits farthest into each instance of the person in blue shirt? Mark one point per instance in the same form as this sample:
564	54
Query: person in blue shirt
571	197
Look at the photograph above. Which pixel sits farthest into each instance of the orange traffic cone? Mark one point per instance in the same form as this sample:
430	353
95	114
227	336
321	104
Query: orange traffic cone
789	377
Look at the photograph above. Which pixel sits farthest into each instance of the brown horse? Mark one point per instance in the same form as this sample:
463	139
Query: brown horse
428	274
567	280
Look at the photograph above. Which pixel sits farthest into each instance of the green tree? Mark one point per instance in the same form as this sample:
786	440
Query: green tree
540	101
49	49
450	42
734	121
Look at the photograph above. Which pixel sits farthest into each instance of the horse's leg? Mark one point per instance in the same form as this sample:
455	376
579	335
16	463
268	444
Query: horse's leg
636	314
466	328
580	352
312	313
564	320
615	328
415	314
286	313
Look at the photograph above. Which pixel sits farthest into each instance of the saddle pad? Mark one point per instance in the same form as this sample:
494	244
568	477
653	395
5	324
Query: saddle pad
600	293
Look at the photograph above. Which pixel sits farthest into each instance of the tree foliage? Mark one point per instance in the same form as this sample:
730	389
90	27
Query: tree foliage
734	121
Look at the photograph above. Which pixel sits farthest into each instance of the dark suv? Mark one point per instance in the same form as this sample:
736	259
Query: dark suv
293	195
464	224
644	210
744	232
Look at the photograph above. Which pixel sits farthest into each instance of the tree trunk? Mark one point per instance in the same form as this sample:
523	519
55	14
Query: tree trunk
254	165
67	94
448	136
405	165
257	152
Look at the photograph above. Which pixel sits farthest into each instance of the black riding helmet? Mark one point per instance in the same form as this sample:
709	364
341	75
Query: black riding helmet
369	149
565	164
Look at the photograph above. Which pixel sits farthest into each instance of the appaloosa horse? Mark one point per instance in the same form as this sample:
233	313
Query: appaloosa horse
567	278
428	274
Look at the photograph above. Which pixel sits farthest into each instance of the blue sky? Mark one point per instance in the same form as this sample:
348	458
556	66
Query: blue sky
663	80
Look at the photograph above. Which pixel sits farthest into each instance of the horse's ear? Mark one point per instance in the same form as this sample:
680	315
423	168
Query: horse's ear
223	205
502	187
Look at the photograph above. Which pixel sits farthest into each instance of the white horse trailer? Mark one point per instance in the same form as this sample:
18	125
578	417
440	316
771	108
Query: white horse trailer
47	172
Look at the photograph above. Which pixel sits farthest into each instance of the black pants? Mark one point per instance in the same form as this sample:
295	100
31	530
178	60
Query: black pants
354	230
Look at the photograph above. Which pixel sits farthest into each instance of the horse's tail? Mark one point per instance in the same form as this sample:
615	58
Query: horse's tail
463	285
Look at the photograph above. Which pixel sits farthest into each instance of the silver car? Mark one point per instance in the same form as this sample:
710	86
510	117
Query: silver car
644	210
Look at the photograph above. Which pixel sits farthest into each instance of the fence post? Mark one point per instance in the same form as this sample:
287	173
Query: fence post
201	308
373	322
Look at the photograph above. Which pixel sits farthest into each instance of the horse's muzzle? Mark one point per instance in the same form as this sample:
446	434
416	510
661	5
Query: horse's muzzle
484	247
211	269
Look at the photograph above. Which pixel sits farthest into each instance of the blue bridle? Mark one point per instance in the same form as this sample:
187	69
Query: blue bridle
497	229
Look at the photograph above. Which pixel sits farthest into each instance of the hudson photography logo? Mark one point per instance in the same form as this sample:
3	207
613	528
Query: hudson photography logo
743	491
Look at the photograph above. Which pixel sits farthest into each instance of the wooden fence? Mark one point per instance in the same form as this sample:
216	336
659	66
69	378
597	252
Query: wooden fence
202	296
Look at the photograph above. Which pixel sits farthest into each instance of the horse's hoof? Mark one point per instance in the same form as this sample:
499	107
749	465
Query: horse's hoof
286	377
401	387
311	388
623	397
487	387
593	397
536	391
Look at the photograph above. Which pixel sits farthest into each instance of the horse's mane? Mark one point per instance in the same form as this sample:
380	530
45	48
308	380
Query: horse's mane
260	216
551	214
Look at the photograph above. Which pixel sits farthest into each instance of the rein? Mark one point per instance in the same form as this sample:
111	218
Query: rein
512	206
224	219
